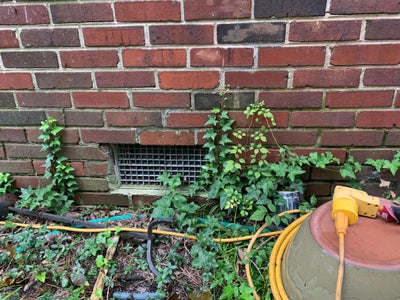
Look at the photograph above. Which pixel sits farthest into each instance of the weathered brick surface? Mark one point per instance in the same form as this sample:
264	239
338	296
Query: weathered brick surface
322	119
382	77
86	152
23	15
92	184
7	100
112	37
15	118
294	137
291	56
186	119
268	32
43	99
64	80
96	168
222	57
188	79
348	99
154	58
36	59
50	37
24	151
288	8
110	136
351	138
15	81
167	138
392	138
317	31
257	79
100	99
81	12
148	11
8	39
133	118
181	34
219	9
327	78
89	59
84	118
379	119
366	55
161	100
343	7
208	101
16	167
125	79
382	29
291	99
16	135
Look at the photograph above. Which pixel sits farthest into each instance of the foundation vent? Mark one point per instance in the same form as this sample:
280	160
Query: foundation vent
141	165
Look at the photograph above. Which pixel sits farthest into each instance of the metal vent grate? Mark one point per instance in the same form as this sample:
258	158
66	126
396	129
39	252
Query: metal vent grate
141	165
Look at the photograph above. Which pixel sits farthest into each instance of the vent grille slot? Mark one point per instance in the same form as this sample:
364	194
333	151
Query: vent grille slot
142	164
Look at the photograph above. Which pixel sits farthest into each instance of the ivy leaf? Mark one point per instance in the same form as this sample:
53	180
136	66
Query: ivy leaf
259	214
41	277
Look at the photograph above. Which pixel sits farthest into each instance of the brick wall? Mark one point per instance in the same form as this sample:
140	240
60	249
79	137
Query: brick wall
149	71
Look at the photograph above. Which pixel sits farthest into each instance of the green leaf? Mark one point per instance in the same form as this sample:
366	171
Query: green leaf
259	214
41	277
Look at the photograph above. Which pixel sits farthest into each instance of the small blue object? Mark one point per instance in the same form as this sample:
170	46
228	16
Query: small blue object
137	296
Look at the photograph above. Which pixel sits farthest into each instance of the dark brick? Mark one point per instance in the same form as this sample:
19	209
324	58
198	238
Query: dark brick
218	9
63	80
345	7
16	167
125	79
382	29
361	155
7	100
50	37
290	99
181	34
16	135
16	118
24	15
208	101
351	138
39	99
93	198
37	59
288	8
92	184
379	119
83	118
81	12
108	136
271	32
393	138
382	77
24	151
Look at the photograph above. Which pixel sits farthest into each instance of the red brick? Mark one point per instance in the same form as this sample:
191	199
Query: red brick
16	167
382	29
148	11
218	9
83	118
181	34
113	36
125	79
8	39
15	81
24	151
100	99
81	12
378	119
297	99
26	181
167	138
361	155
133	118
397	101
24	15
256	79
69	135
86	152
362	99
63	80
221	57
188	79
344	7
327	78
12	135
78	168
2	154
161	100
291	56
108	136
89	58
154	57
366	55
354	138
392	138
322	119
382	77
39	99
50	37
281	119
96	168
293	137
186	119
317	31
